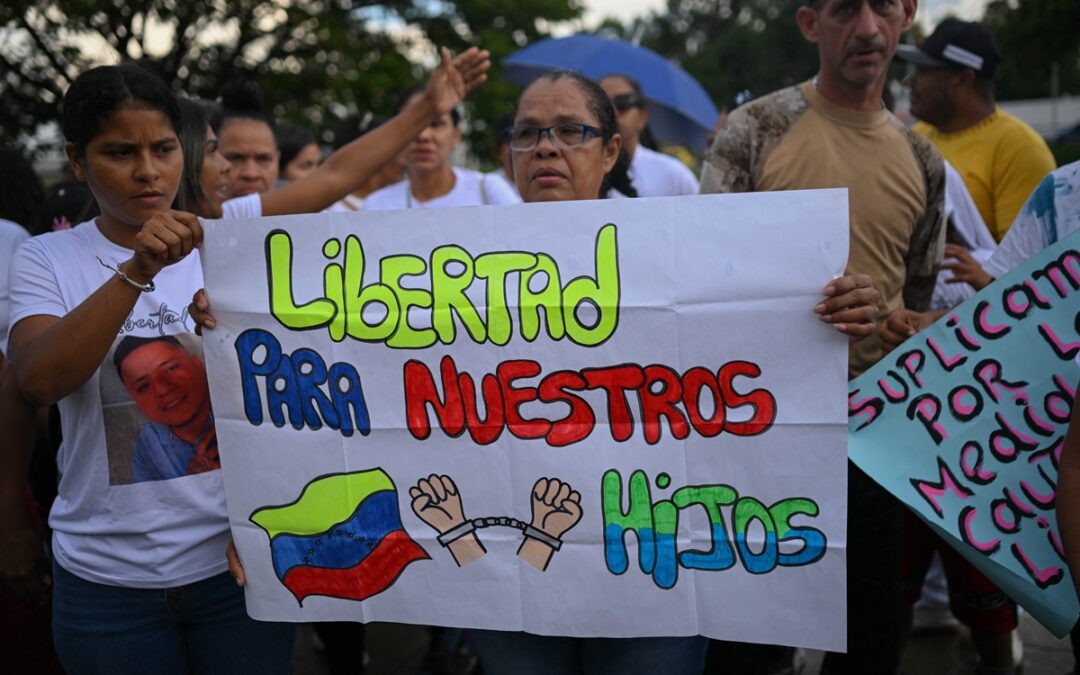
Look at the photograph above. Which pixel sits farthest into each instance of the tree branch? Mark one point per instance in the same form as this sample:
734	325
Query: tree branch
53	58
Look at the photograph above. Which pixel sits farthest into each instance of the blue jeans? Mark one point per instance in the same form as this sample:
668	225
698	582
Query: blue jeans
201	628
504	653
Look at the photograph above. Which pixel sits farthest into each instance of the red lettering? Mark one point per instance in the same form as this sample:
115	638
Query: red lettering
762	400
508	371
580	422
661	403
616	381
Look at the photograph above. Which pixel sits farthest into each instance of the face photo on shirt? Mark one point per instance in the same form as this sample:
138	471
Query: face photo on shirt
156	409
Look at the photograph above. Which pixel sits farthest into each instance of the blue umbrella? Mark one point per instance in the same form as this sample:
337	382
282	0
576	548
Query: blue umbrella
681	113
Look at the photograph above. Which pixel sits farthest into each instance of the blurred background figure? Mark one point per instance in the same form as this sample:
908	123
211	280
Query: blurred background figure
298	151
505	172
25	604
1001	158
433	181
349	129
651	173
245	134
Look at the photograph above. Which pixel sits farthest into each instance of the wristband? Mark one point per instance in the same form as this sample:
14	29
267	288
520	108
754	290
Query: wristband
452	535
543	537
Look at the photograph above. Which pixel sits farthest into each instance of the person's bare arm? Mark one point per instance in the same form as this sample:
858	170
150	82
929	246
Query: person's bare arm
1068	494
54	356
349	168
22	558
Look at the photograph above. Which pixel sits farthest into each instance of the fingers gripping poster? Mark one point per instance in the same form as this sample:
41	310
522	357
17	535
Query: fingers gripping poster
964	422
607	418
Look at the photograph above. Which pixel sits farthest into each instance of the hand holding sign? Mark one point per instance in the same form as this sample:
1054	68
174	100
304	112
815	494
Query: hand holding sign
851	304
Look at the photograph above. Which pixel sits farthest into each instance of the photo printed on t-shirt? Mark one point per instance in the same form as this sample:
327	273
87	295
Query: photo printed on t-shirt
156	409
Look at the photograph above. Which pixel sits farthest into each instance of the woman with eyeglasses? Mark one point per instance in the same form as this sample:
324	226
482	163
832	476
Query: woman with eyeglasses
565	144
652	174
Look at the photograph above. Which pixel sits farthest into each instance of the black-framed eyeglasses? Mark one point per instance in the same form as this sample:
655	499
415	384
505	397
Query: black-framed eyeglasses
525	138
624	102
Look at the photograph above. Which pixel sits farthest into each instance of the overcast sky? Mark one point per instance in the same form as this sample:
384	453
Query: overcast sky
930	11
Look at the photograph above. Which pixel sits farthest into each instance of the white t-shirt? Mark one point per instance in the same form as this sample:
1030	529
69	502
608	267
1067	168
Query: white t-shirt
248	206
348	204
1051	213
12	235
654	174
471	188
500	176
106	527
961	212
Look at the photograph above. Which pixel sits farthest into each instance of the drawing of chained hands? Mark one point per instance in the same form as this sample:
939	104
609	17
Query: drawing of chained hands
435	500
556	508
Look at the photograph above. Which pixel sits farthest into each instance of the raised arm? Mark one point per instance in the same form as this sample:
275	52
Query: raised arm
349	168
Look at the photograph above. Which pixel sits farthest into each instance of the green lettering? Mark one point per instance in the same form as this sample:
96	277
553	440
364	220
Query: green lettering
549	297
603	293
448	291
392	269
357	297
494	267
282	302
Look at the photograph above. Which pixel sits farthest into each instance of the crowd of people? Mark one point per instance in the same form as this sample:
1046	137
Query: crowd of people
98	313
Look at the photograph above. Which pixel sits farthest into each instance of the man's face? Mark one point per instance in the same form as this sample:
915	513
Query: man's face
250	148
856	38
931	94
166	382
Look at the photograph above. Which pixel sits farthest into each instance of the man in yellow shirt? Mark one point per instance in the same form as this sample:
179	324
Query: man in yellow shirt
1001	158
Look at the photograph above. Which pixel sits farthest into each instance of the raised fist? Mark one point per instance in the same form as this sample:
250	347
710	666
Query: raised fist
556	507
435	500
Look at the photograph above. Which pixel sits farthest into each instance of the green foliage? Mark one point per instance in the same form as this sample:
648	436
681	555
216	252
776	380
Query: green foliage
1035	34
733	45
313	59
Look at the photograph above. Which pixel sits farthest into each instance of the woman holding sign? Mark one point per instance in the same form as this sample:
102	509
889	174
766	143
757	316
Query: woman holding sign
564	145
139	575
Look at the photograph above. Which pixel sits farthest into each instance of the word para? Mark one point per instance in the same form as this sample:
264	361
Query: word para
299	385
380	311
698	399
655	525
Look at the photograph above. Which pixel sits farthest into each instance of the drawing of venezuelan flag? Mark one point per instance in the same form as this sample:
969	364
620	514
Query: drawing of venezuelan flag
341	538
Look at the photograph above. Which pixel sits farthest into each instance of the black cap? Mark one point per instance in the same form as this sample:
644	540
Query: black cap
956	44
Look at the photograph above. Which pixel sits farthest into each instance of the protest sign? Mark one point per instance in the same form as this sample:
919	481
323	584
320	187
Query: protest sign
964	423
606	418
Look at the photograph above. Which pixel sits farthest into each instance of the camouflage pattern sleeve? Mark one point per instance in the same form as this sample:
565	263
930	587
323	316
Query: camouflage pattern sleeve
727	165
927	245
734	162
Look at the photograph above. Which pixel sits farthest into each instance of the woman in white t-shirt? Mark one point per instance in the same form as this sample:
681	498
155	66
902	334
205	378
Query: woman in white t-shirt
138	570
433	181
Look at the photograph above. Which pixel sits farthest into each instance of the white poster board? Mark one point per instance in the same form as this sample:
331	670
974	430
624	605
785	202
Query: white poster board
547	403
